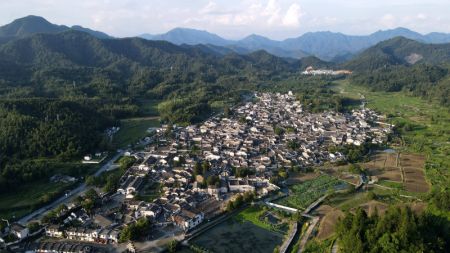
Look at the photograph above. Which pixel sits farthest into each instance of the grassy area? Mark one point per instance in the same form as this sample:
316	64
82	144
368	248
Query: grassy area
150	192
391	184
149	107
253	214
317	246
424	126
304	194
132	130
24	200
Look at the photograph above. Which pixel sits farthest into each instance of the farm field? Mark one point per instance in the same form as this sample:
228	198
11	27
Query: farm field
428	133
383	165
132	130
303	194
339	172
414	175
238	236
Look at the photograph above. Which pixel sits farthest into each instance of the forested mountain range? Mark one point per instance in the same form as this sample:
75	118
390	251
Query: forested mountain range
404	64
325	45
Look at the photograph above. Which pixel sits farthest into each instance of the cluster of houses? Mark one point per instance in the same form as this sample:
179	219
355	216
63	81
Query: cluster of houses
187	174
83	234
263	136
327	72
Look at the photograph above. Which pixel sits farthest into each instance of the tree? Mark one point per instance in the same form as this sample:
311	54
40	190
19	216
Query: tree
172	246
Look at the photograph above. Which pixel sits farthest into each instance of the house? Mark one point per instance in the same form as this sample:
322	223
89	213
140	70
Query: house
20	231
54	231
188	219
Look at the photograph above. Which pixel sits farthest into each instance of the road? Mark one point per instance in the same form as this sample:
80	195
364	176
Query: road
66	198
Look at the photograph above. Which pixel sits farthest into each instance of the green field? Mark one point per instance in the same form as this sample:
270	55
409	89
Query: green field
132	130
236	236
424	126
26	198
253	214
149	107
303	194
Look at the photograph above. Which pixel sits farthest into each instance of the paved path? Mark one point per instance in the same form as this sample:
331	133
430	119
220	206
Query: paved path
66	198
335	248
307	234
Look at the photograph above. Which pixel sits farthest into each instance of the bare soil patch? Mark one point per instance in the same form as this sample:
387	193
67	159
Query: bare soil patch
330	217
415	180
298	177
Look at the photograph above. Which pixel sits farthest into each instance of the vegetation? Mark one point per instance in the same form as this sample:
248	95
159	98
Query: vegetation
240	200
398	230
133	130
306	193
135	231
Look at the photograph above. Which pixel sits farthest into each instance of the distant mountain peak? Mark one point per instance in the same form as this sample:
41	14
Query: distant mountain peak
32	24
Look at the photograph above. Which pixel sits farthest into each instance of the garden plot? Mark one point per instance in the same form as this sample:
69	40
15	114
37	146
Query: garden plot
304	194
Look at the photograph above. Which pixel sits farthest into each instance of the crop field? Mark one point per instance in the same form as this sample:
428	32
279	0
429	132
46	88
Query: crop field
304	194
337	172
389	167
239	236
429	134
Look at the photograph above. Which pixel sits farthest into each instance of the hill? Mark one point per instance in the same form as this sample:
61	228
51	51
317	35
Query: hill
30	25
400	51
188	36
403	64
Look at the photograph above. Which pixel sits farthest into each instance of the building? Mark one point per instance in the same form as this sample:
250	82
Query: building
20	231
188	219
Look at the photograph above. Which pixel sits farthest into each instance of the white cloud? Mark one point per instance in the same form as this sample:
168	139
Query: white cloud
422	16
293	15
388	21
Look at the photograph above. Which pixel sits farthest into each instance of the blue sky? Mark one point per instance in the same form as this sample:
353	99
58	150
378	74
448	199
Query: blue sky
277	19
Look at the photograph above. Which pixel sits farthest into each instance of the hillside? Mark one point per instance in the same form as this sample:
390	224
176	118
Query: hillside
404	64
400	51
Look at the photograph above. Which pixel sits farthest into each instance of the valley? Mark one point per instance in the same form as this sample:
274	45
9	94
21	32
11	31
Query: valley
131	144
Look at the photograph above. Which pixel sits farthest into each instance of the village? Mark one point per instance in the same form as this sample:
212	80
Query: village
187	176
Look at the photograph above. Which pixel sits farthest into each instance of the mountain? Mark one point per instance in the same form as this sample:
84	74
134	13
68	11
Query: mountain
337	47
188	36
30	25
400	51
97	34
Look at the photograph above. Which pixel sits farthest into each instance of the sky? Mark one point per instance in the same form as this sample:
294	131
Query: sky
235	19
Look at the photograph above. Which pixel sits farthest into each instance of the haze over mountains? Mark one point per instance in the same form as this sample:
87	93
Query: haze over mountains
327	46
